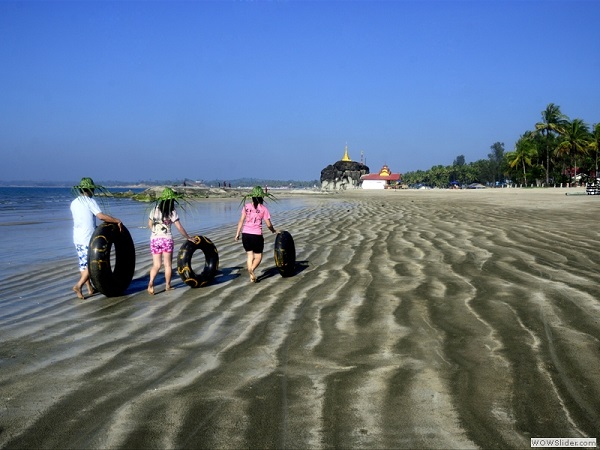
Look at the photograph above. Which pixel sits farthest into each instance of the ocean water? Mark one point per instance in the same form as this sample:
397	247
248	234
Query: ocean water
36	227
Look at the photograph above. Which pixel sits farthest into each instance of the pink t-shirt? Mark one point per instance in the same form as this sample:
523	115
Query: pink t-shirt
254	218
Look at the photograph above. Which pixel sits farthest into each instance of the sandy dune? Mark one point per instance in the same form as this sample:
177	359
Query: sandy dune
421	319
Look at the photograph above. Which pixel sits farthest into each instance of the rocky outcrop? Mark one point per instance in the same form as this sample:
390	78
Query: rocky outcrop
342	175
189	192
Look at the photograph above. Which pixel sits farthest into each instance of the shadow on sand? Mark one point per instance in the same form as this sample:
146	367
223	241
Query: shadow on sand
272	271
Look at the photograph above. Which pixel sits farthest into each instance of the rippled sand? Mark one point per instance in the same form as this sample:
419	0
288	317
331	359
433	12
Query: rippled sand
421	319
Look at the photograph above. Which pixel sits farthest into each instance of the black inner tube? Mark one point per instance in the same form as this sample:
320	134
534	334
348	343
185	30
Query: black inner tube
111	283
184	262
285	254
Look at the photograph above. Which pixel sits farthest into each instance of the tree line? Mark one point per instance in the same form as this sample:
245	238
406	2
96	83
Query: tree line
556	151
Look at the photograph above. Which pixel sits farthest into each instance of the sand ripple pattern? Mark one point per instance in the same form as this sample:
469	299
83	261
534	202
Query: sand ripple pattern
417	320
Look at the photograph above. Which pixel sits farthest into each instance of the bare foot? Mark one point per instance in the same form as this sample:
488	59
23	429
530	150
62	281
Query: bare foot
151	290
92	291
78	292
169	288
252	277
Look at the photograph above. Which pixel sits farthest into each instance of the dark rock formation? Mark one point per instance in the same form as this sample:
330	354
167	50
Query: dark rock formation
189	192
342	175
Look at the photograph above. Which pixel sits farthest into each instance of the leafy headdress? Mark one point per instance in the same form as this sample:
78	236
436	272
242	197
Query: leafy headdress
170	194
167	200
87	185
258	192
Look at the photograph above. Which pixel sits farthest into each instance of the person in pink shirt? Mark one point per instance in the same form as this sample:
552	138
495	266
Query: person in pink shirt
250	228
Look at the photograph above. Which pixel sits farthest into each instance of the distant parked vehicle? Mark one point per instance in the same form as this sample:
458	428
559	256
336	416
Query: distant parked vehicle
475	186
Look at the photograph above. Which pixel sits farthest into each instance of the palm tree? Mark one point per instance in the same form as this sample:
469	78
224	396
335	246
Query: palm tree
575	141
595	146
439	176
496	157
523	154
552	122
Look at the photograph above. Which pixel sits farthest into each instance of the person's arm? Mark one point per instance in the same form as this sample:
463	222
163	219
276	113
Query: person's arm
270	226
109	219
182	230
240	224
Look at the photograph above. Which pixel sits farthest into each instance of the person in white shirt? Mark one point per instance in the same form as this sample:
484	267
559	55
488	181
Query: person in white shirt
85	209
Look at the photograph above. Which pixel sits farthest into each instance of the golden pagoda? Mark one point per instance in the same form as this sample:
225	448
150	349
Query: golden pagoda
346	157
385	171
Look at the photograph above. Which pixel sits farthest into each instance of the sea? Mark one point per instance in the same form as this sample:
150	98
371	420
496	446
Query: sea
36	226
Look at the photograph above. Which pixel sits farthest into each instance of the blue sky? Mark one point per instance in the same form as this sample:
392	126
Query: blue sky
156	90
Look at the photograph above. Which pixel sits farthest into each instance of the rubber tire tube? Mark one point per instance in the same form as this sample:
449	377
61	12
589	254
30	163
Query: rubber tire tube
111	283
285	254
184	262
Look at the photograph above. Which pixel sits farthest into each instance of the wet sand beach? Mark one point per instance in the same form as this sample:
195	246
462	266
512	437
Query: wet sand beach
415	319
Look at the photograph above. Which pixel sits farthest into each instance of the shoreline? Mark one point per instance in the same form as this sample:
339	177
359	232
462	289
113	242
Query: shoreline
201	193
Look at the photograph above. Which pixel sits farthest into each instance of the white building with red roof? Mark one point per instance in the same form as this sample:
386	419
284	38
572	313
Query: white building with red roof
385	179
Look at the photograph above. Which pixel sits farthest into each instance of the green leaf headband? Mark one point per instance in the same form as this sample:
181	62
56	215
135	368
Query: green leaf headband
88	184
169	194
258	191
